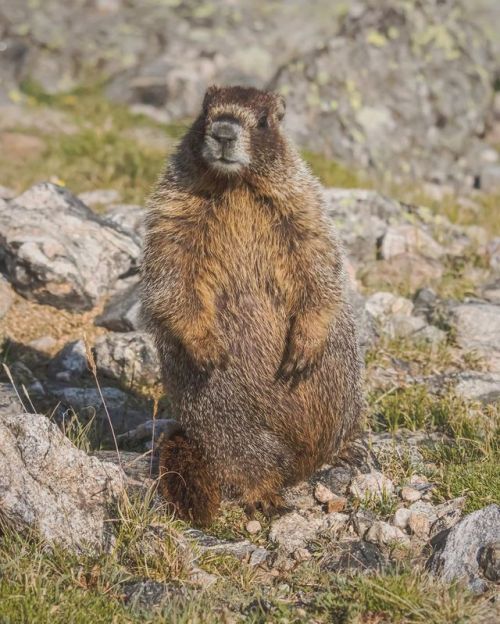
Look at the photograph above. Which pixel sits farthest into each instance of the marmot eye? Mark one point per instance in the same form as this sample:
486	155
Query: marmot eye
262	122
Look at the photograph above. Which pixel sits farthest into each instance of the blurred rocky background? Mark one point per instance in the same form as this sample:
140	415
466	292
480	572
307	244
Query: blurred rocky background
395	106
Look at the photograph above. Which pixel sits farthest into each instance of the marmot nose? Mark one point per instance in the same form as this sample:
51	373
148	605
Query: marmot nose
224	131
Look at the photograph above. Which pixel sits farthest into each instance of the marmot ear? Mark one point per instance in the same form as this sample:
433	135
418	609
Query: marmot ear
209	93
280	106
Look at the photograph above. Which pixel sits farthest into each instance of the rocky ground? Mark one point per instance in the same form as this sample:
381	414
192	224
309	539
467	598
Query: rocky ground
412	534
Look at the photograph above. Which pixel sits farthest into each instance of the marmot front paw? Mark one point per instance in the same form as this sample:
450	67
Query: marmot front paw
302	355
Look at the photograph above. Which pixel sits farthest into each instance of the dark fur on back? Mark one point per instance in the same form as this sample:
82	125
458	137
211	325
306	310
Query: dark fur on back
243	290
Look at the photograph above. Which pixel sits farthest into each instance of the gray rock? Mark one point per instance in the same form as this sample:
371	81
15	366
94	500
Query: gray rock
72	265
337	479
400	68
122	312
99	197
129	217
6	193
402	239
408	272
148	594
204	543
477	327
70	362
10	403
383	533
130	358
293	531
371	485
384	304
49	486
478	386
489	562
126	411
6	297
359	556
457	555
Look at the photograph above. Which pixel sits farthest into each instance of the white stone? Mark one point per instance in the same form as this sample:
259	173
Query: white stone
384	533
371	485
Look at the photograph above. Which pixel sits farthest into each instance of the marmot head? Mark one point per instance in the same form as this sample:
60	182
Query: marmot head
240	130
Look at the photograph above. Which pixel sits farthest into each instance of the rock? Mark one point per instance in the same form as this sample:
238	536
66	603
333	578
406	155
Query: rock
456	556
253	526
70	362
122	312
477	327
401	518
293	531
148	431
49	486
448	514
384	304
403	239
363	520
10	403
361	219
336	479
6	193
126	411
491	291
352	114
69	266
338	503
419	525
383	533
201	578
477	386
301	554
335	522
99	197
130	358
359	556
128	217
371	485
322	494
204	543
258	557
400	326
489	562
410	495
149	594
6	297
403	272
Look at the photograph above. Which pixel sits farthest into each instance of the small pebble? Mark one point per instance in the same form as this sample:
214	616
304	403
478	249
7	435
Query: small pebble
301	554
253	527
419	525
401	518
410	494
322	494
337	503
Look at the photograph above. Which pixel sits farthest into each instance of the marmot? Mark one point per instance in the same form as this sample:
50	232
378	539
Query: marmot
243	290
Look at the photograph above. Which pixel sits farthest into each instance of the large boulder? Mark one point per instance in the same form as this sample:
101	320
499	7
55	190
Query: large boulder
49	486
57	251
130	358
477	330
459	554
419	71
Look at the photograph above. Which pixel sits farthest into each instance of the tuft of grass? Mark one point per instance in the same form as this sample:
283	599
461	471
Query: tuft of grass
403	596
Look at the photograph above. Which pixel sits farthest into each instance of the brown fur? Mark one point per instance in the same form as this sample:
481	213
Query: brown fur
243	289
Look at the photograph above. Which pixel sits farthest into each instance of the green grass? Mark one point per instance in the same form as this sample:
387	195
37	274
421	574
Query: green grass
101	153
333	173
